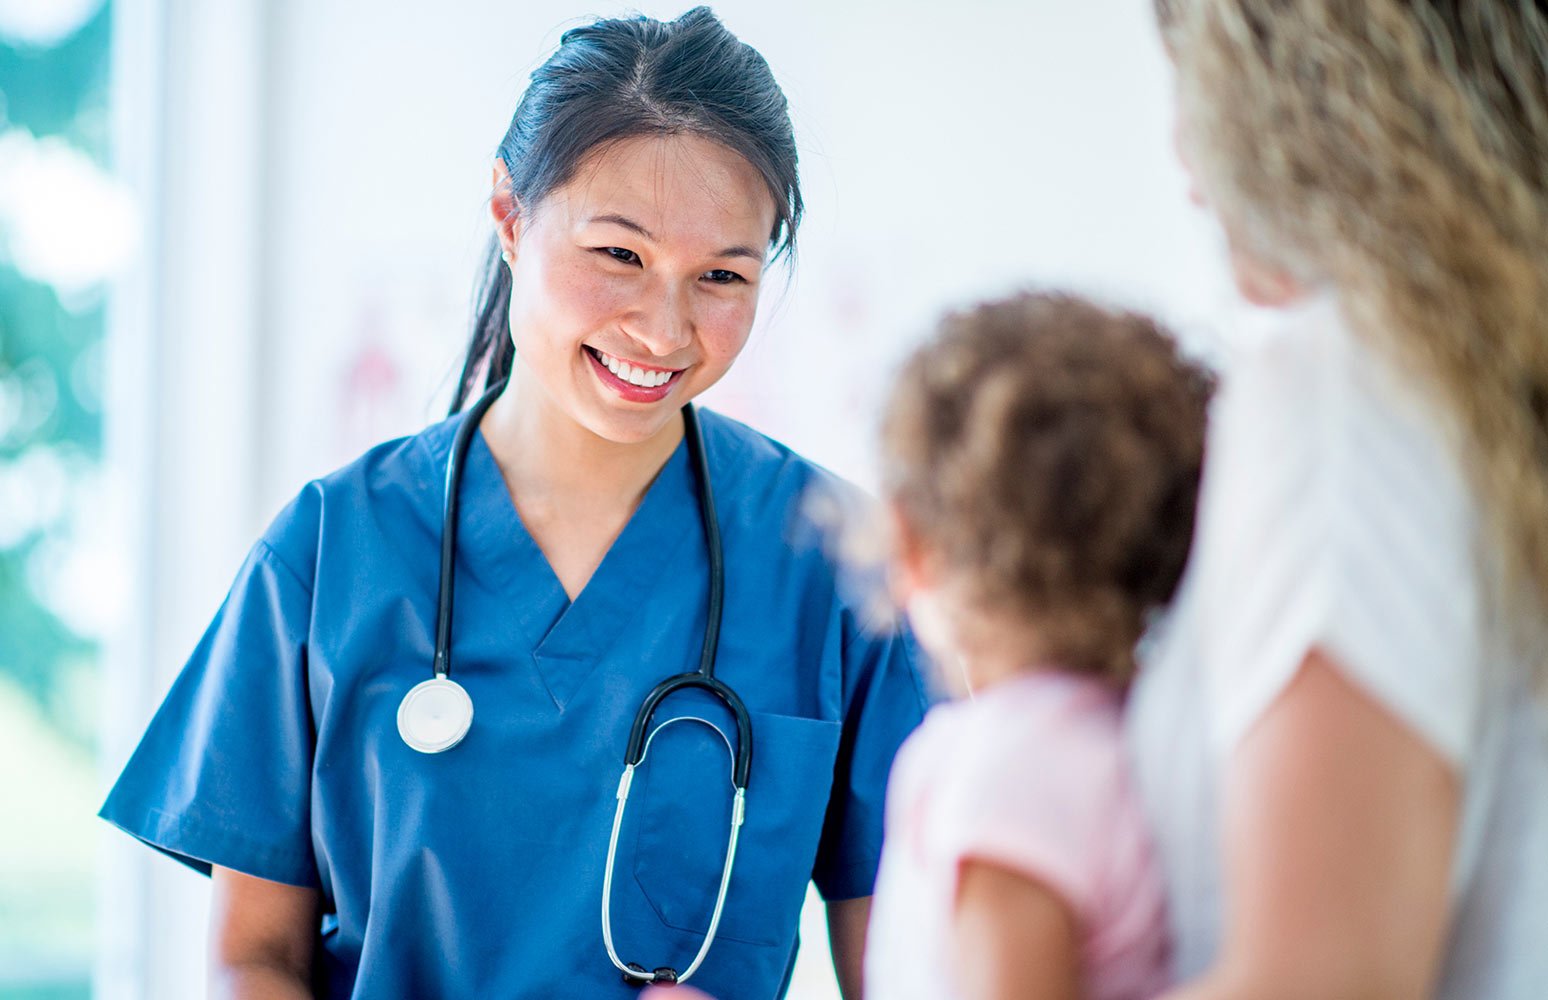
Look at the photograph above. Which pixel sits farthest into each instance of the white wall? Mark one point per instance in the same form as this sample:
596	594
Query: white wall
948	150
316	198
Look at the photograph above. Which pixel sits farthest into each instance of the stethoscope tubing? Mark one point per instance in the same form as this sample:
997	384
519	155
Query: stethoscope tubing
450	519
640	732
637	974
717	566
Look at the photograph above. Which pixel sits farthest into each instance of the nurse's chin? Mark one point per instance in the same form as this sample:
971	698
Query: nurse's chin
626	423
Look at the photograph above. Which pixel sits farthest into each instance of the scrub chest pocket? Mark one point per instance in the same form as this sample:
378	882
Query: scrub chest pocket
683	799
479	871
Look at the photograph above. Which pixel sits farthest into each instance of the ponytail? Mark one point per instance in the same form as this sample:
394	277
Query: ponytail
620	78
490	347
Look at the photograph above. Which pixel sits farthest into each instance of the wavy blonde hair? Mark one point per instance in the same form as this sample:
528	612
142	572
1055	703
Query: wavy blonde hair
1399	149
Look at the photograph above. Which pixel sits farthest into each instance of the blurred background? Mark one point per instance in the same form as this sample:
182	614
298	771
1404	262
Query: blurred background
237	246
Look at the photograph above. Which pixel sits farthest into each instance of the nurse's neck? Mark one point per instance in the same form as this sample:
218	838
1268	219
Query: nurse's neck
575	490
543	451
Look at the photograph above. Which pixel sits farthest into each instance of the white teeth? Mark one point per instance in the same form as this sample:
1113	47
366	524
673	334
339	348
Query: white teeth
645	378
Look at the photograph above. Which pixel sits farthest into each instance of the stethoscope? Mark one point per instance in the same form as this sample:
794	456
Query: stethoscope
436	713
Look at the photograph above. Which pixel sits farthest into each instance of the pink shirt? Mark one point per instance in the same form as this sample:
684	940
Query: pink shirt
1030	776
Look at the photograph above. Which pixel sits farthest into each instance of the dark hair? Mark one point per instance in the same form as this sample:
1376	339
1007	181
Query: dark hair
618	79
1049	452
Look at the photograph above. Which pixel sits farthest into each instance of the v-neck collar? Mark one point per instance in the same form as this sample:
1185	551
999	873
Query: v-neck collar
568	638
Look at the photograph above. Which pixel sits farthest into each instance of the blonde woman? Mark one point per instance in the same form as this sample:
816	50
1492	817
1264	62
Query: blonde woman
1341	739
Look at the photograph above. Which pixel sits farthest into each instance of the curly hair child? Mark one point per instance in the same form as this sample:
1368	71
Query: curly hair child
1042	458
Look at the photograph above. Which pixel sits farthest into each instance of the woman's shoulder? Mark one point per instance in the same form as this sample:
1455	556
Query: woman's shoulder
1336	514
795	512
1308	373
766	484
1330	432
398	479
748	459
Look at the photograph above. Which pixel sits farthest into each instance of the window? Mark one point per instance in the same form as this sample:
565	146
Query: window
64	228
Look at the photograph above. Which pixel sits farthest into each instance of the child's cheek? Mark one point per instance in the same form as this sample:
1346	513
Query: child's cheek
932	628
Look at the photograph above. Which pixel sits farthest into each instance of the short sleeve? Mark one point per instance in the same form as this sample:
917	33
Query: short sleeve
885	699
1002	804
1335	517
222	774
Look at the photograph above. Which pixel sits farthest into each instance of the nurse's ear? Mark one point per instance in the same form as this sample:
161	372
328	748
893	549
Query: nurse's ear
505	209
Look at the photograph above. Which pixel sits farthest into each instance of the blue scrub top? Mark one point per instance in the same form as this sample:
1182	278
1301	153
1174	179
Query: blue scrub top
478	871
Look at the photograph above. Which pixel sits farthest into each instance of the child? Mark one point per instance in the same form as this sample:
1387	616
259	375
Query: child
1041	464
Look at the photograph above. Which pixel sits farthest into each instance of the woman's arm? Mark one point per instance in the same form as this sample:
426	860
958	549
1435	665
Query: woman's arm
847	921
1012	938
1339	828
261	938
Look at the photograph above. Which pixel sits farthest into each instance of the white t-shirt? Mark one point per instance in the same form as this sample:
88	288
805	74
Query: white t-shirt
1335	514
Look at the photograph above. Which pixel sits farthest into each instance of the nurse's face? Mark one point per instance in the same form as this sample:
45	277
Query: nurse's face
635	285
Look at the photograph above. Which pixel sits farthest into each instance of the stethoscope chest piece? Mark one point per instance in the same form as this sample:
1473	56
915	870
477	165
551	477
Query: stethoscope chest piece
435	715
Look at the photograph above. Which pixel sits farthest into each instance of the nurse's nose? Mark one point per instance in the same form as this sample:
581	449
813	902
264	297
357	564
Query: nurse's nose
661	321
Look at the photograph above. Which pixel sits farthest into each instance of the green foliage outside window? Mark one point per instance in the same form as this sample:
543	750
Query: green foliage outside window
53	110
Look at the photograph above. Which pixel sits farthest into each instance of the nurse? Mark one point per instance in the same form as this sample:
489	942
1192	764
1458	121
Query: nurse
647	180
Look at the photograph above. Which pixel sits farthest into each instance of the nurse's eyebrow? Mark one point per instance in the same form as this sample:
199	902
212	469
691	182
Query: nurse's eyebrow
626	222
740	250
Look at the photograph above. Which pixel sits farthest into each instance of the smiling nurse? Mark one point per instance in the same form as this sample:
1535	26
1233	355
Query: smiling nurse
602	536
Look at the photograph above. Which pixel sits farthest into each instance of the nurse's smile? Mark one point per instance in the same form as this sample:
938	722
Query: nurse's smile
634	285
634	381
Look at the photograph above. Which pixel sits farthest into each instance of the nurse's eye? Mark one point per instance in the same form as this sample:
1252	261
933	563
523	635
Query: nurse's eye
621	255
720	276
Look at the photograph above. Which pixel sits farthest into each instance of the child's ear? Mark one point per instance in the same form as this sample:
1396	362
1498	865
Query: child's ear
911	570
